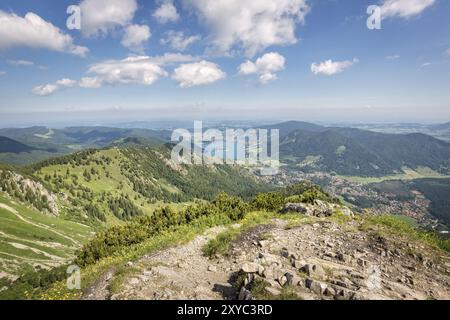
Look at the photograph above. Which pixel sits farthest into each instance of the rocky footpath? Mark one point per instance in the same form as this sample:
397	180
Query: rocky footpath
326	260
319	257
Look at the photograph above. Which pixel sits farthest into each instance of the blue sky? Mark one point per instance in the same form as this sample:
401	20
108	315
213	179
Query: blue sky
305	60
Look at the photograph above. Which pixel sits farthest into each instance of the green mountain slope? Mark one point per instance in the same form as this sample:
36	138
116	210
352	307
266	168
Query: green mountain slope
8	145
46	143
31	238
288	127
117	184
49	210
356	152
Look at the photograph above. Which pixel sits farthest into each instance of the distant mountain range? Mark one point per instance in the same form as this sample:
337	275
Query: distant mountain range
8	145
303	145
290	126
41	143
355	152
444	126
81	136
439	131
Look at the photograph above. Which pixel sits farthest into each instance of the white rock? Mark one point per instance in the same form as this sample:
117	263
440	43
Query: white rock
212	268
251	267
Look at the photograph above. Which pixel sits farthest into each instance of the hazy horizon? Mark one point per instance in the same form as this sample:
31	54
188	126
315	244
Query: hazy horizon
312	61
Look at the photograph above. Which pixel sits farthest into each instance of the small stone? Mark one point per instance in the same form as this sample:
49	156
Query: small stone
268	259
263	243
108	276
143	278
268	273
282	280
212	268
295	207
295	256
285	253
261	270
251	267
289	278
292	279
313	270
315	286
342	257
272	291
362	263
339	283
330	292
129	264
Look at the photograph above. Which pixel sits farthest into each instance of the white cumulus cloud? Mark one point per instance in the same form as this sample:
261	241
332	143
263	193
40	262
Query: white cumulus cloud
167	12
250	25
102	16
143	70
266	67
197	74
31	31
178	41
172	58
45	90
48	89
132	70
267	77
404	8
330	67
66	82
248	67
135	37
90	83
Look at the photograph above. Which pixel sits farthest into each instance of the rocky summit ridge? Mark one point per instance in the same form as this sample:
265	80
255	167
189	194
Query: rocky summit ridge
307	253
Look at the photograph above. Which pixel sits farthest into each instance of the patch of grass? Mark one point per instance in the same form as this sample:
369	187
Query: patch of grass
258	290
265	236
221	243
295	220
340	217
120	275
288	293
28	237
328	271
404	227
